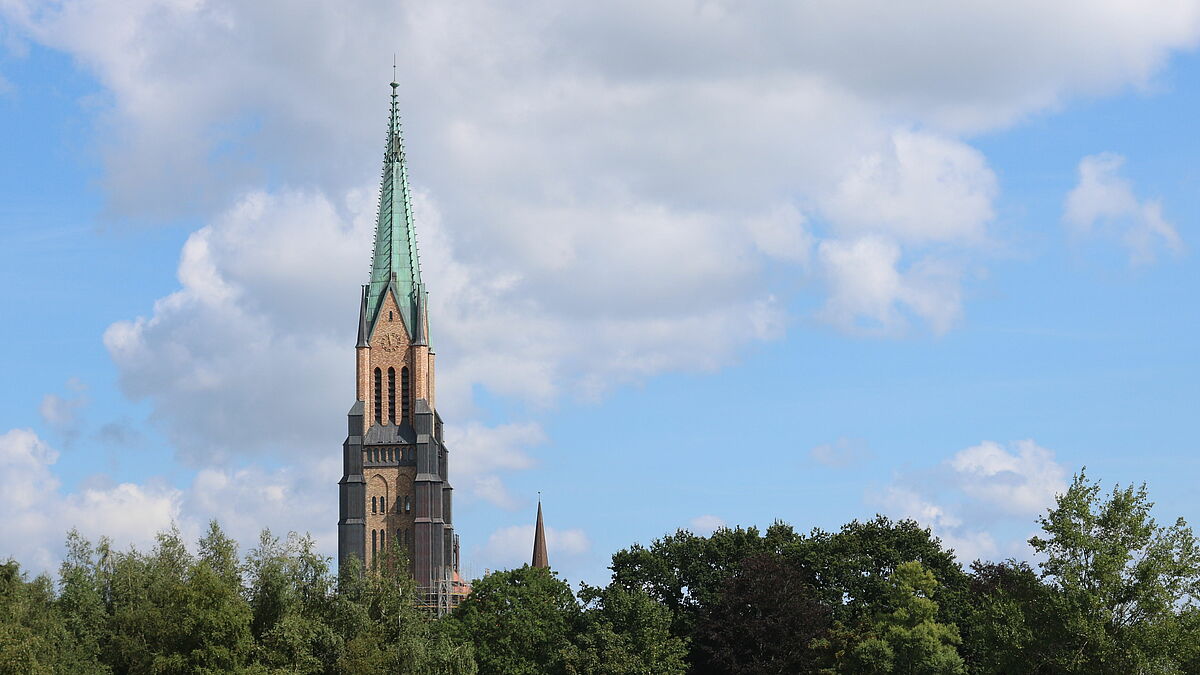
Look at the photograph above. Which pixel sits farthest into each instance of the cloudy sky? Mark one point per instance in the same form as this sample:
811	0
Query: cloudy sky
691	263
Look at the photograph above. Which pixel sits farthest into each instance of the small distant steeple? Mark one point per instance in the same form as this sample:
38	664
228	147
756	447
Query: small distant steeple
539	541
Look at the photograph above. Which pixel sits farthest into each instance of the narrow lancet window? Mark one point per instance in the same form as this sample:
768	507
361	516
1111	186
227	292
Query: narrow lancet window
405	396
373	510
378	394
392	395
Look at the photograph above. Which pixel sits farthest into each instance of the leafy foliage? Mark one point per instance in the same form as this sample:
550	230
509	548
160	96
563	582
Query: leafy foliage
520	621
624	632
1119	580
764	620
1114	593
909	639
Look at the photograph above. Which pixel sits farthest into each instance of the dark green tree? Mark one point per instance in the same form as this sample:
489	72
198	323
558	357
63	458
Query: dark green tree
520	621
147	607
764	621
290	592
909	638
685	571
1010	626
216	619
32	633
853	567
384	630
624	633
81	603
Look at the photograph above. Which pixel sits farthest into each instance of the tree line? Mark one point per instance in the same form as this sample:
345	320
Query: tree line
1112	592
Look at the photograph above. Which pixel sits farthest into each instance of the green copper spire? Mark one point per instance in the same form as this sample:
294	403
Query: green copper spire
394	262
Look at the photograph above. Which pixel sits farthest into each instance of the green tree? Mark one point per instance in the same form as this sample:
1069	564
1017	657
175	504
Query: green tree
290	592
216	618
31	631
909	639
853	567
81	604
147	606
520	621
624	633
1010	624
764	621
685	572
1120	580
382	628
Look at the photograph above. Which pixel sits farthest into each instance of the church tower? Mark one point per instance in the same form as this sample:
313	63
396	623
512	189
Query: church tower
395	487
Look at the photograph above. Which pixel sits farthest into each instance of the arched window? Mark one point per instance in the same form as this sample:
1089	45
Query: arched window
374	543
373	504
389	315
392	395
378	394
405	402
407	504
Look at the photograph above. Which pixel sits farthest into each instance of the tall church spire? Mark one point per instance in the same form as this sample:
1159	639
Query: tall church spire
394	262
539	542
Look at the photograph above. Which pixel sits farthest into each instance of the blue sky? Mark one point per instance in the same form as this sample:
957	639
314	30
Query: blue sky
807	283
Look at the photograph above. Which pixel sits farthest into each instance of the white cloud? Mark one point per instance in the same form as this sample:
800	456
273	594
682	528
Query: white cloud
258	338
870	293
1103	199
612	211
512	546
980	497
706	524
845	452
1022	482
576	177
37	513
921	188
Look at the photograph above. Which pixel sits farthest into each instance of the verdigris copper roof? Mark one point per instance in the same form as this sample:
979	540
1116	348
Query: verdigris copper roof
395	263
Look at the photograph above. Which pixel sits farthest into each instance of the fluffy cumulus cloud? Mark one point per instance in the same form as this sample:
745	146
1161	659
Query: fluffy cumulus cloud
1104	202
37	512
38	509
872	291
254	338
599	199
588	176
979	492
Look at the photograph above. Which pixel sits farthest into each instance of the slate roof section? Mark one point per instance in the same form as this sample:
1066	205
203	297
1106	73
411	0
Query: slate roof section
390	434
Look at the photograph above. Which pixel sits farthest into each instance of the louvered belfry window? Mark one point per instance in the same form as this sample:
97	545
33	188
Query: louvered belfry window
405	397
378	394
392	395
